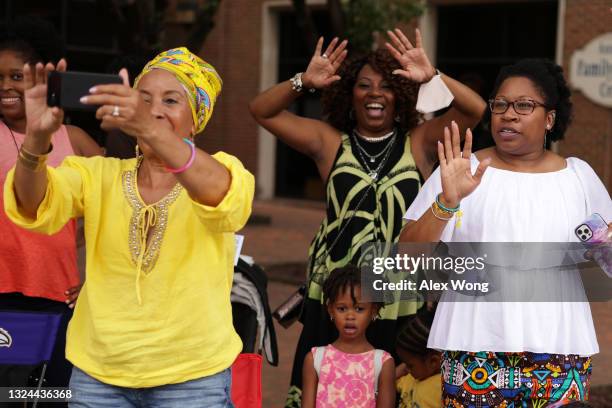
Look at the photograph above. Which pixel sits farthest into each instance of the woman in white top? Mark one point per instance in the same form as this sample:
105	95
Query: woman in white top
512	353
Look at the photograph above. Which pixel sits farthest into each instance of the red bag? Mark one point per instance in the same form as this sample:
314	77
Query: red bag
246	381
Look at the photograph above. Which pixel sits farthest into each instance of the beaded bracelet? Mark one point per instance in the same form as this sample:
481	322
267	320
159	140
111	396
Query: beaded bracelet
442	207
189	162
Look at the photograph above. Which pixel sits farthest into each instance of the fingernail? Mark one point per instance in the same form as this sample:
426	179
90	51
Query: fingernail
83	99
93	89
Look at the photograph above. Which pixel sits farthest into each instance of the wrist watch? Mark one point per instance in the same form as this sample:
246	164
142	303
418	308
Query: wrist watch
297	85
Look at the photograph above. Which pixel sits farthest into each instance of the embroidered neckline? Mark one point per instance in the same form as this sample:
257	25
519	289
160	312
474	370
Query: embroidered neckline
153	215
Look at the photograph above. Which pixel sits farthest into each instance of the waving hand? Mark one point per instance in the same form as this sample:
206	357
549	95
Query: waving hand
458	181
321	71
413	60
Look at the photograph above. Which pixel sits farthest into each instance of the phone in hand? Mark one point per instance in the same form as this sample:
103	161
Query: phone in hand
65	89
593	232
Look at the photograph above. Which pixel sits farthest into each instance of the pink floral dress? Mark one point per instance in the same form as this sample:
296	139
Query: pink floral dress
347	380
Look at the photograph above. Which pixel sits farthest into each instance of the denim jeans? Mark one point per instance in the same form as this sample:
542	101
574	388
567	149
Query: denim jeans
210	392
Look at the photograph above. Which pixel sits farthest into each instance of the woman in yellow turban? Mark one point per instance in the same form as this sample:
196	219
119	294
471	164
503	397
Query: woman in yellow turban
152	325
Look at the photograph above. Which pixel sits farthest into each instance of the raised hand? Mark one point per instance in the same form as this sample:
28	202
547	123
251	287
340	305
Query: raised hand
42	120
413	60
457	179
321	71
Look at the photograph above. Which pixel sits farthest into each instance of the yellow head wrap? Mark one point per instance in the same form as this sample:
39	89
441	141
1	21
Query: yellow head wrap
200	79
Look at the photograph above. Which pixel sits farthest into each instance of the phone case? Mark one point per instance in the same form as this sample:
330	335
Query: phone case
594	233
593	230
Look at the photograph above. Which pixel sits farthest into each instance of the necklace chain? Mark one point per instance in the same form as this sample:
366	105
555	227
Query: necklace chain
374	173
373	157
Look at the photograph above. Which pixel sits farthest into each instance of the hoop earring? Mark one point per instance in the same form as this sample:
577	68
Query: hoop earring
137	150
397	119
352	114
545	134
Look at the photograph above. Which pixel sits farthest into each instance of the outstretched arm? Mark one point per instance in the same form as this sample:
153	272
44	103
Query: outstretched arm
467	107
30	184
207	181
457	183
269	109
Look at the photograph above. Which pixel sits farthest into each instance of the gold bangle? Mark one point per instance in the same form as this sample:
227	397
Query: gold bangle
441	210
34	156
435	208
34	165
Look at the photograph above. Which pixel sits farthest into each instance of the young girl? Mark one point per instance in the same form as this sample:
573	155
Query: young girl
348	372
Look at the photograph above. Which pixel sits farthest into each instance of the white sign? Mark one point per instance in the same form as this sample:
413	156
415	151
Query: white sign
591	70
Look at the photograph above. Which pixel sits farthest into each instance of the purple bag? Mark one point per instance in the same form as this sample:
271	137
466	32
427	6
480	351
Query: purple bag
27	338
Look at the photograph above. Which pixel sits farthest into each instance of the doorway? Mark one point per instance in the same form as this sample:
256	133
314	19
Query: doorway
475	40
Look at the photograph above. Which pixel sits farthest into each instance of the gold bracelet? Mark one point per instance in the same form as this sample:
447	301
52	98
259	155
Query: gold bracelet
33	161
34	165
34	156
441	210
435	208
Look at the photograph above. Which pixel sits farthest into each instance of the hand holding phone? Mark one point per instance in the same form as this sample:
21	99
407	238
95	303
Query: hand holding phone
594	233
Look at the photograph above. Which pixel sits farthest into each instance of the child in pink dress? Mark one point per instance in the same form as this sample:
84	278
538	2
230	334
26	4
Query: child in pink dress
349	373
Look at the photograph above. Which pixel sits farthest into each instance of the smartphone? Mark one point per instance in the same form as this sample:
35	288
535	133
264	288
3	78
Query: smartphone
65	89
594	233
593	230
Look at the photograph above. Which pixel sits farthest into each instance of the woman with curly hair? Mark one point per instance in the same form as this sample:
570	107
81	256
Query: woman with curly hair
521	354
372	154
36	272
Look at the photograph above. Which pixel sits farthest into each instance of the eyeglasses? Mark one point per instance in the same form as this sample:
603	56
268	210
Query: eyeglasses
521	106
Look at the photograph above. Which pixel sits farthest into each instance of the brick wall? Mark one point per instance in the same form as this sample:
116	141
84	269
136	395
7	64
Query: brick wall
233	47
590	136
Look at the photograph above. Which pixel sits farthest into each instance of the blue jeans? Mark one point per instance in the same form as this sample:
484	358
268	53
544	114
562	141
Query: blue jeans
210	392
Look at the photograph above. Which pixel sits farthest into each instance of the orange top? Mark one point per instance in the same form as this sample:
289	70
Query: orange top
30	263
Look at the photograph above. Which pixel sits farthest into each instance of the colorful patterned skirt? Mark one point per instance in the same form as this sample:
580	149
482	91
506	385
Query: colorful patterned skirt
513	380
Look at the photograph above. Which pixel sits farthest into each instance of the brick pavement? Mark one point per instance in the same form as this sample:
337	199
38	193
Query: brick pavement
281	247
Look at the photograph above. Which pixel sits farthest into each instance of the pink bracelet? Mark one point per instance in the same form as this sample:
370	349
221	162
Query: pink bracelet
189	162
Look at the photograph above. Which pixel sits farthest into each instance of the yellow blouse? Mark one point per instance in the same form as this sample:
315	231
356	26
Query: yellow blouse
150	313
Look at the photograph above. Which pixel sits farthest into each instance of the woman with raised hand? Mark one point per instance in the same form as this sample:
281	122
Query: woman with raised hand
152	326
37	272
372	154
513	353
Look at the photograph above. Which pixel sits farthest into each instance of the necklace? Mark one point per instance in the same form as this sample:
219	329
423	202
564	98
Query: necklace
373	157
375	139
373	173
